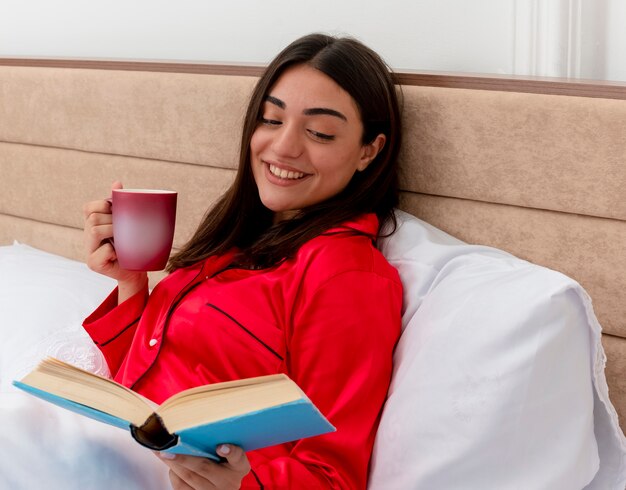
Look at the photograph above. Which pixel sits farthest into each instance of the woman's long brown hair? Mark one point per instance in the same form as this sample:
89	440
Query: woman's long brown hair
239	219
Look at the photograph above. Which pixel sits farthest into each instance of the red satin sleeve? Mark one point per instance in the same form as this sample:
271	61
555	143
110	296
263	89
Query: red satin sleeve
340	353
112	326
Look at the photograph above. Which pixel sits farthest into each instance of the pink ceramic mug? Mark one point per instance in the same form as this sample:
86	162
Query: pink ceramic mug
143	227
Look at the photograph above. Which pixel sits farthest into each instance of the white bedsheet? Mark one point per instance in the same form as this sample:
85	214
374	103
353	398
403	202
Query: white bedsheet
43	299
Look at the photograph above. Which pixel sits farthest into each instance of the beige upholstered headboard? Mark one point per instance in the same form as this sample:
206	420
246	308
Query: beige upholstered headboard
535	167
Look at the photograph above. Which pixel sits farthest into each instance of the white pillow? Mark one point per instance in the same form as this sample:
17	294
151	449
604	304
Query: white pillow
43	300
498	375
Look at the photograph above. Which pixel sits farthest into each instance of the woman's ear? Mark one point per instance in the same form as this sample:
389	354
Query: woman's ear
370	151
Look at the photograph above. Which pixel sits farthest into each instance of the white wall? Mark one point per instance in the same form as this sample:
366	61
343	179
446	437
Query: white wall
488	36
615	68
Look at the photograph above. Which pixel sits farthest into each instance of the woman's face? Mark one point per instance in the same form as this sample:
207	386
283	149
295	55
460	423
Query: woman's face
307	145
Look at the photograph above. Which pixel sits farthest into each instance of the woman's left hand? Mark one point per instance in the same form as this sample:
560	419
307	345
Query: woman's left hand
192	472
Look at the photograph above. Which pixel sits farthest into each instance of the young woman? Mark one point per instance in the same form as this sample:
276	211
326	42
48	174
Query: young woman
282	275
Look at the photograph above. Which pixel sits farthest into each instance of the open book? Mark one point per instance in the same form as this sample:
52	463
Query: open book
251	413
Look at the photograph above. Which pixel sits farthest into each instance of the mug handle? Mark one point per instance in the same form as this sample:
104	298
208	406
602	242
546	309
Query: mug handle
110	240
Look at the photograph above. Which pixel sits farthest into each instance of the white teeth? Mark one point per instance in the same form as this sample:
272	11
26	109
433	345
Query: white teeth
285	174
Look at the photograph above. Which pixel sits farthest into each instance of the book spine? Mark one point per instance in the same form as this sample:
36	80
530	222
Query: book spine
153	434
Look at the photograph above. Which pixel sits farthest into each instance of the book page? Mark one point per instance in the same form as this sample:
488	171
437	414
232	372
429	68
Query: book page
208	404
80	386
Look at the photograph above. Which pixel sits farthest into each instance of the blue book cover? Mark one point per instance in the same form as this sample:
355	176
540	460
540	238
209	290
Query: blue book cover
273	410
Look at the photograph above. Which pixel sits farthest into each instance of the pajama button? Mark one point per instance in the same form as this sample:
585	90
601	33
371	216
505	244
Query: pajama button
152	342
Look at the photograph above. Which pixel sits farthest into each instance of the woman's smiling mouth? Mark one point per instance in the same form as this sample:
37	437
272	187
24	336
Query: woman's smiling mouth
281	173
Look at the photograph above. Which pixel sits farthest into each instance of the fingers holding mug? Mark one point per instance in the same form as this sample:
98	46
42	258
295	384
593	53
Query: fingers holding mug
98	224
97	233
103	260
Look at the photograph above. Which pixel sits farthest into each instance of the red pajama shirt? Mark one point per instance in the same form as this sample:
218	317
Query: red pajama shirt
329	318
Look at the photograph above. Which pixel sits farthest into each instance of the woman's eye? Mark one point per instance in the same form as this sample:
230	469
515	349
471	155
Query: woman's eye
269	122
321	136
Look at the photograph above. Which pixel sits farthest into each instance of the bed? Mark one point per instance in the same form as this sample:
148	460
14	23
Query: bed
512	200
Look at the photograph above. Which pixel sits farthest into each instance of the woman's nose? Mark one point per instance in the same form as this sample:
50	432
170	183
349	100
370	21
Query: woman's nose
287	142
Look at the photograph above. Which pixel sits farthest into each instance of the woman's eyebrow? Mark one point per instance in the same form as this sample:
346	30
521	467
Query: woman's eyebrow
323	110
275	101
314	111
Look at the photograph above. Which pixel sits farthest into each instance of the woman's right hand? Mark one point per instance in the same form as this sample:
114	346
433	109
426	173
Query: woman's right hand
101	255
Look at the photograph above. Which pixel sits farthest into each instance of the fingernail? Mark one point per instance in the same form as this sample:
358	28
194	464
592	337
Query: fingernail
224	449
167	455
